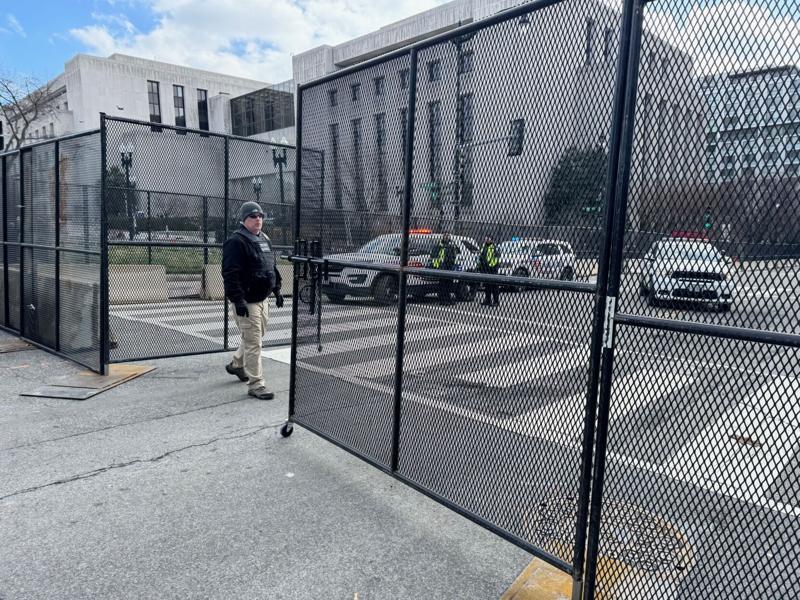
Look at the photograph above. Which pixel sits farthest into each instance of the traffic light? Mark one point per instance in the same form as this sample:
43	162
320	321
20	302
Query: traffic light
707	220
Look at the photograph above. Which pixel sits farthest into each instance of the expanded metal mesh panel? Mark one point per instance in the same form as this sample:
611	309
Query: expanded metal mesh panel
493	407
79	178
714	221
39	298
702	495
354	131
79	295
263	173
2	245
40	195
13	235
512	127
345	370
155	308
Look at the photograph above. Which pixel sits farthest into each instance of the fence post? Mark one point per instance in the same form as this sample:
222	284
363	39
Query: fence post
104	317
225	212
56	154
4	217
295	283
401	287
205	231
617	195
21	235
149	232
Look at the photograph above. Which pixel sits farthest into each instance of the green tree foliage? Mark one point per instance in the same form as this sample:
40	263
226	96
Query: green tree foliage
577	186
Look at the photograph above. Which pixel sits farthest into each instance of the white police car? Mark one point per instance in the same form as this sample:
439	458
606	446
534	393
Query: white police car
532	257
687	271
385	249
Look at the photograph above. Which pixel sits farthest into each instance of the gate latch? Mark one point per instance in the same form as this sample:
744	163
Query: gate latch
608	323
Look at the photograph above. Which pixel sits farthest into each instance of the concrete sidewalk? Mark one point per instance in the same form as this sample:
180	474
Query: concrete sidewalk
177	485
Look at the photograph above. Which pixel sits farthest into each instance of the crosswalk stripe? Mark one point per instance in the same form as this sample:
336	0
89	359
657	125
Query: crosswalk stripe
743	452
431	357
511	374
553	423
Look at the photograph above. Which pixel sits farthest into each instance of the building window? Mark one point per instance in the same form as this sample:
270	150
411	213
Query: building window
180	106
333	98
380	85
202	109
404	79
380	143
589	41
249	116
154	100
355	92
434	70
464	155
435	143
465	61
608	43
333	132
2	138
358	166
52	130
516	140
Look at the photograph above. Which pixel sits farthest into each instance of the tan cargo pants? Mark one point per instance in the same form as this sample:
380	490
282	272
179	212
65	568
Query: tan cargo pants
252	328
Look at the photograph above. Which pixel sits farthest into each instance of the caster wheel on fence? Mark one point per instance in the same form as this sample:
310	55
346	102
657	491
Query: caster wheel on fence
287	429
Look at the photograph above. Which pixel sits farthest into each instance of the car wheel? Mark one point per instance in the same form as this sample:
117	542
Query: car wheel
305	293
723	308
567	274
335	298
385	290
642	289
465	292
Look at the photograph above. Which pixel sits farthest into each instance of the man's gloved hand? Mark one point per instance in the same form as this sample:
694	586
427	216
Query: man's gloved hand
278	300
241	310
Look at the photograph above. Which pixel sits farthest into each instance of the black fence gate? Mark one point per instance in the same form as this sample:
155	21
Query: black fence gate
172	197
51	282
628	410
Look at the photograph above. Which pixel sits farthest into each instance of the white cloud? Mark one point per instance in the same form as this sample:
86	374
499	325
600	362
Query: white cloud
249	38
14	25
734	35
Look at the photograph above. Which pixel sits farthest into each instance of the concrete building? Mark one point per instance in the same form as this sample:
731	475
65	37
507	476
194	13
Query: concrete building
753	124
495	111
136	88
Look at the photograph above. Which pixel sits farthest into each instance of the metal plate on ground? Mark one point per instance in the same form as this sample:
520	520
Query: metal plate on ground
86	384
14	345
67	393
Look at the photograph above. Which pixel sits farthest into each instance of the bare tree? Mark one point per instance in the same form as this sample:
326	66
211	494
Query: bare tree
23	100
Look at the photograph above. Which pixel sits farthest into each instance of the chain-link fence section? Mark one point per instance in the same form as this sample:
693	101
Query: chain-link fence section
172	198
51	252
600	364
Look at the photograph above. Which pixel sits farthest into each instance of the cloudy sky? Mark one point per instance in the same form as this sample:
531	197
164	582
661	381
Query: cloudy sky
256	38
250	38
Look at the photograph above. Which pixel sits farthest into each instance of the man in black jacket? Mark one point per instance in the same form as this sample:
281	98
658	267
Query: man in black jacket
250	274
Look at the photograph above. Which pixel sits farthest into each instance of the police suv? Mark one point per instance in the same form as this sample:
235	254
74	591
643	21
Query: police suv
688	271
385	249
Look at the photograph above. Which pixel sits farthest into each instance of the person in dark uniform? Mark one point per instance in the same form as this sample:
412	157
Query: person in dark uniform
250	275
444	258
489	262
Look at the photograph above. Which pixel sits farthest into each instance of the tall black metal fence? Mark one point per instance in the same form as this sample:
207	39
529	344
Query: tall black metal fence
626	410
51	281
172	198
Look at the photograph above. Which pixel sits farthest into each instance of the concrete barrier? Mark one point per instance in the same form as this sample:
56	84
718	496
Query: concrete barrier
213	288
137	284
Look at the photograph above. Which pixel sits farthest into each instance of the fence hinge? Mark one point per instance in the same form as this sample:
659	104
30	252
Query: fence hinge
608	323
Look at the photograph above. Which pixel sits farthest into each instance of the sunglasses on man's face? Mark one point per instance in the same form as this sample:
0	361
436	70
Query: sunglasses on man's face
256	216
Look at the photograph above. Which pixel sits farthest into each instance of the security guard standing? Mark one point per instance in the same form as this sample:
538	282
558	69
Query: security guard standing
250	274
444	258
489	262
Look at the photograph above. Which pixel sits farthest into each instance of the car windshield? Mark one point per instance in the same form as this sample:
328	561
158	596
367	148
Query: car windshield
381	245
688	251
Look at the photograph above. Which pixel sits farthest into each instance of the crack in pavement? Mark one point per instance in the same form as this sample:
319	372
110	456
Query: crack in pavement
100	471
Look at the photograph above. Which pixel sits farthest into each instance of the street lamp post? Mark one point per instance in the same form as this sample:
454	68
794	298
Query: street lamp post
126	157
279	160
257	188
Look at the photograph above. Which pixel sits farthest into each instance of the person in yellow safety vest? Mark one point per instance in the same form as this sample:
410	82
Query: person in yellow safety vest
444	257
489	262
